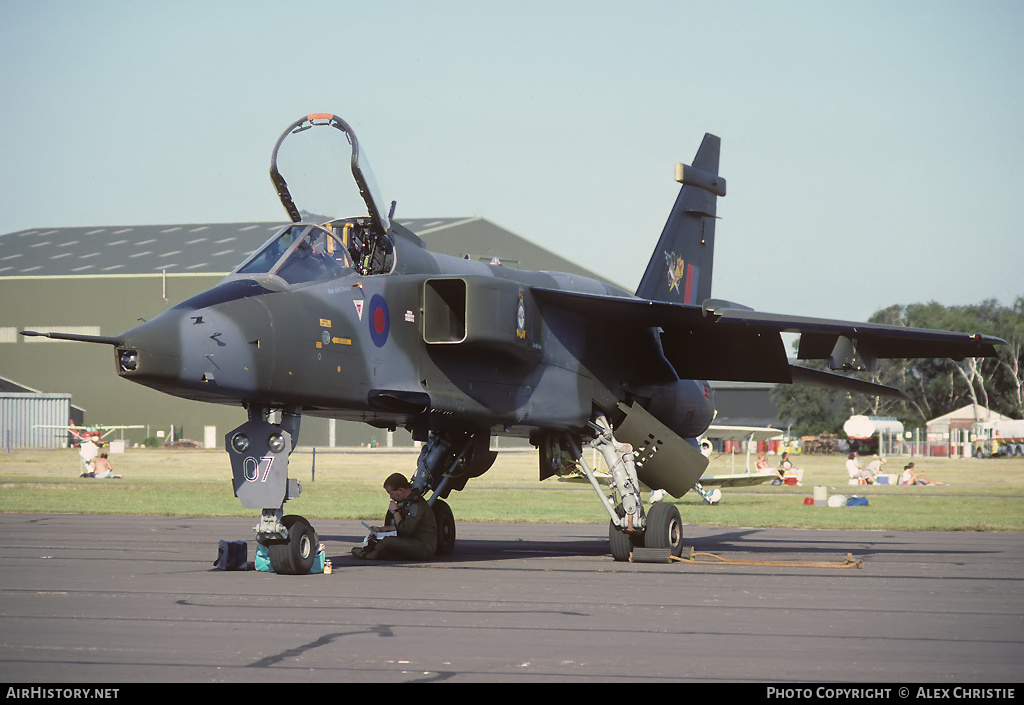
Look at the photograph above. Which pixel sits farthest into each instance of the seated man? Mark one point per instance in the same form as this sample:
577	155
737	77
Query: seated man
413	520
875	466
912	477
858	474
787	470
103	469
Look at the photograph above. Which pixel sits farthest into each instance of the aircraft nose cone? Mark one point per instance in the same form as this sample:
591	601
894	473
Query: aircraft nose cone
220	351
151	353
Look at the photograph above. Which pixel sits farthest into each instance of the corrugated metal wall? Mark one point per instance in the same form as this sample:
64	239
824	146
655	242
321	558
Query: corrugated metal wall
20	413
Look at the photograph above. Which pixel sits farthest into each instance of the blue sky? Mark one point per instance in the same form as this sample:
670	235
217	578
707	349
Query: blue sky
873	150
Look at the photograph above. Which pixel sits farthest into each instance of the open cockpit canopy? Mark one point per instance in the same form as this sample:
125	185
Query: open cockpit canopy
360	167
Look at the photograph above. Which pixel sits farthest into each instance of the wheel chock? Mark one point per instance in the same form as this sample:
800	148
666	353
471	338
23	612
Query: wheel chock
652	555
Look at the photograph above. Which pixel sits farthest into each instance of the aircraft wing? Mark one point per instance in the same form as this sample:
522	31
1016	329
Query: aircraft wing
740	479
729	342
86	428
818	336
741	433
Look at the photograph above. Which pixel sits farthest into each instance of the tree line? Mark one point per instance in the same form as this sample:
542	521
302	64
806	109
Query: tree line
934	386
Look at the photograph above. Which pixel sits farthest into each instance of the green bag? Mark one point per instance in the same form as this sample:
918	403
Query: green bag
263	560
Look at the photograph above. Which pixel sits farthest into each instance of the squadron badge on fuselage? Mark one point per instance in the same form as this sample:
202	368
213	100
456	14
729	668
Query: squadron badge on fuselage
521	317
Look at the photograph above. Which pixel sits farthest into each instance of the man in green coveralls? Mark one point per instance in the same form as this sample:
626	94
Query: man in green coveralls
413	519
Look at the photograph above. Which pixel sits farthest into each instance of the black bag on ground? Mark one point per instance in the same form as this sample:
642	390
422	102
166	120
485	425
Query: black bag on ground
232	555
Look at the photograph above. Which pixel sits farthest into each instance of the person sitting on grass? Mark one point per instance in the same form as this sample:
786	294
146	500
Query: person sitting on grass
102	468
763	465
787	470
912	477
857	471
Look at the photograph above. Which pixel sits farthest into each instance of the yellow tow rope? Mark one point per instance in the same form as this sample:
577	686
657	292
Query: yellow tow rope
849	562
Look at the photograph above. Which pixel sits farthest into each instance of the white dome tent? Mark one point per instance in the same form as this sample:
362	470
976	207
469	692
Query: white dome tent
870	435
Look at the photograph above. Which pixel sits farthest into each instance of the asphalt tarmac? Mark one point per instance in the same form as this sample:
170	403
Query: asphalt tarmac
115	599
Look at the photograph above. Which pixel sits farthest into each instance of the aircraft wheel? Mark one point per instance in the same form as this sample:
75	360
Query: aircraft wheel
664	528
445	527
622	543
295	555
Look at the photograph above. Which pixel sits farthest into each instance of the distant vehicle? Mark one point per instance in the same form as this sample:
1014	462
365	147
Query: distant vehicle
1001	438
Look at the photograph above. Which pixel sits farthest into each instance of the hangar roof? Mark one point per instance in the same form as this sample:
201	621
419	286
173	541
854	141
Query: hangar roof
141	249
216	248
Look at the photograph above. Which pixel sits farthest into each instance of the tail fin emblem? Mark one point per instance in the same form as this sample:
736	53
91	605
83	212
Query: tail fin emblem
682	274
676	270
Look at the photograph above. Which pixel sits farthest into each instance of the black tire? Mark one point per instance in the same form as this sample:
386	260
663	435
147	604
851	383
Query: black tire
664	528
621	543
445	527
295	555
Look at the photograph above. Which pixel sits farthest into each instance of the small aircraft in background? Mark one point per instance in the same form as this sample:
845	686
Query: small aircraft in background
79	434
749	434
752	435
355	319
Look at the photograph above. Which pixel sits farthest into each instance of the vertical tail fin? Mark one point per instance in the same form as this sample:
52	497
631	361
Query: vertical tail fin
680	268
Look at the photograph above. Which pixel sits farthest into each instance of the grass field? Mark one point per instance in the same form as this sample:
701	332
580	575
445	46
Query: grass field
982	495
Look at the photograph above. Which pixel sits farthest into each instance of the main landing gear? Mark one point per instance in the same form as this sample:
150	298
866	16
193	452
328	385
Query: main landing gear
630	526
447	461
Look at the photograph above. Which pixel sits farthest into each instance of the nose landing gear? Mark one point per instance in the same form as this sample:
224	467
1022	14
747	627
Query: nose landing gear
293	555
259	453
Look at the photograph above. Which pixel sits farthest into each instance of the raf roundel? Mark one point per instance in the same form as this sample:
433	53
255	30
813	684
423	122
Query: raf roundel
379	319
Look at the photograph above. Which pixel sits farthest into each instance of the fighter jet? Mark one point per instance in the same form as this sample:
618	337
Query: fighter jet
355	319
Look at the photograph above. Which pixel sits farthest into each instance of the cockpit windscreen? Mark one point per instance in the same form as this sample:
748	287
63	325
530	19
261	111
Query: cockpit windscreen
300	253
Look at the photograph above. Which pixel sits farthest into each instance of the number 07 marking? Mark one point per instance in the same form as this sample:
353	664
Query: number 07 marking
252	468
